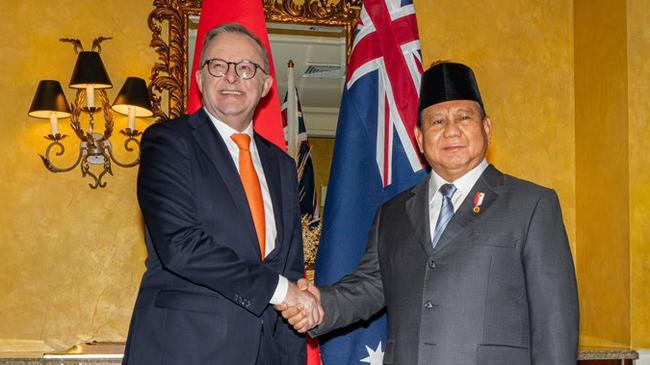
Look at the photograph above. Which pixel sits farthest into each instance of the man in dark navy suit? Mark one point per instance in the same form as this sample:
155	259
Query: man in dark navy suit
223	233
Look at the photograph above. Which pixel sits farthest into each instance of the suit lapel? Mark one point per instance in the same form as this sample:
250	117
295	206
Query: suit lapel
417	210
215	149
465	215
271	168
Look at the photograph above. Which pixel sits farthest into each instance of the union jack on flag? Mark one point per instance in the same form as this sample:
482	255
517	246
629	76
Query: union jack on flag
386	41
305	167
375	157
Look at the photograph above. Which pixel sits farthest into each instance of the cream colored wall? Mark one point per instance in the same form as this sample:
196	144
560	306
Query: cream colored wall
522	54
70	257
638	56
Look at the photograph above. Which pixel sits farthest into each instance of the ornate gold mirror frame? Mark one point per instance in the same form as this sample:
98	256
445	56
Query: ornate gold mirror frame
170	21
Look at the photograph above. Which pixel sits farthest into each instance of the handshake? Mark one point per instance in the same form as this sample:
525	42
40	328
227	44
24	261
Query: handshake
301	307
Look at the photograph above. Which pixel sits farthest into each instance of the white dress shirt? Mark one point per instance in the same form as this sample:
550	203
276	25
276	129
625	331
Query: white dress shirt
225	131
463	187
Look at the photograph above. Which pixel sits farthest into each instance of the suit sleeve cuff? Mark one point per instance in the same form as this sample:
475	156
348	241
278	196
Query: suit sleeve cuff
280	292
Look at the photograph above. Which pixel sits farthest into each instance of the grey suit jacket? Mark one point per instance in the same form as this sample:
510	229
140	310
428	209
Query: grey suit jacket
499	288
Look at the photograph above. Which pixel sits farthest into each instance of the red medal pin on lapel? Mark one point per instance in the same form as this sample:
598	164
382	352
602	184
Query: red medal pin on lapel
478	200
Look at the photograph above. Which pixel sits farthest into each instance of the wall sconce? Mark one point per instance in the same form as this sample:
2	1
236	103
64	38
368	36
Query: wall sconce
95	149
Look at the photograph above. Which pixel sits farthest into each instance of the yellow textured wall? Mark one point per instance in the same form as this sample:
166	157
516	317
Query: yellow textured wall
522	54
602	183
638	32
70	257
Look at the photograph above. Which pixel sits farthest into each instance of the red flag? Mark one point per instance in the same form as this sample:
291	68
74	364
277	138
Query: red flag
313	353
267	120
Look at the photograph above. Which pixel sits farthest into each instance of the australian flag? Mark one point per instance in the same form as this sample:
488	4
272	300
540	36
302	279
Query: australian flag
302	148
375	157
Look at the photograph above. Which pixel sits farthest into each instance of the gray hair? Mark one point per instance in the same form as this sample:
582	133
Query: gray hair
234	28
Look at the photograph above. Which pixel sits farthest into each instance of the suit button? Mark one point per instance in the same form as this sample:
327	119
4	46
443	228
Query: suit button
428	304
432	263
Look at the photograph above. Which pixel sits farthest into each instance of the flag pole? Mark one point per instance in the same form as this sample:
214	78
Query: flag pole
292	114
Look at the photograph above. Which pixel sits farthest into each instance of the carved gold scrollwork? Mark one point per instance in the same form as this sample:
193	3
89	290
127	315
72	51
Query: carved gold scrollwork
311	232
169	73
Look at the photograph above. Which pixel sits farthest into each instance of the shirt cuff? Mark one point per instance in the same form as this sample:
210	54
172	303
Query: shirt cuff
280	293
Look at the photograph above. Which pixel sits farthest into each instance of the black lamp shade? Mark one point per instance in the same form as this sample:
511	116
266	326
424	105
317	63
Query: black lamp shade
49	98
90	71
134	93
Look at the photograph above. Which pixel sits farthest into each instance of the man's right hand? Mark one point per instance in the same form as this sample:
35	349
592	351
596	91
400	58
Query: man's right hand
302	306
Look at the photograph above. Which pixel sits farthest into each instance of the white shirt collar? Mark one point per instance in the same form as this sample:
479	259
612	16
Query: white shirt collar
225	130
463	185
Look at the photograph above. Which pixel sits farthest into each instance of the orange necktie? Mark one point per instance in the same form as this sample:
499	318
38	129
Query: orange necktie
252	187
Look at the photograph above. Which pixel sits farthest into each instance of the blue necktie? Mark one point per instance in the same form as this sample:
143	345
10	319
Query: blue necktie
446	211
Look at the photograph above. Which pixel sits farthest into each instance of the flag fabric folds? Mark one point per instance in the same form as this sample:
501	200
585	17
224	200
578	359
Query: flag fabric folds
375	157
299	148
267	119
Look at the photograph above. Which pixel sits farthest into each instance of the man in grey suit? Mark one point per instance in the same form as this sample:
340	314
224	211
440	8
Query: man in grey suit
472	265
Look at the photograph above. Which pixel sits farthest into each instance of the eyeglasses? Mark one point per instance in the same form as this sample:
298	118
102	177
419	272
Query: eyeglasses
244	69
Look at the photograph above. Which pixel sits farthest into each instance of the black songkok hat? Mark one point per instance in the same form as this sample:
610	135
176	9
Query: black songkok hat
448	81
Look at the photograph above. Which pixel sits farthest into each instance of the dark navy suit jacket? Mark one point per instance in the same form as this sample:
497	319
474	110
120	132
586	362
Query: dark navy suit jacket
204	298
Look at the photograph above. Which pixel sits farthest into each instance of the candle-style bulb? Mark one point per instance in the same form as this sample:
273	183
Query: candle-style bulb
90	96
54	123
131	118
